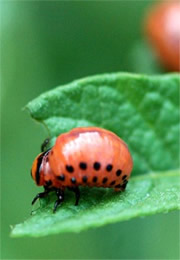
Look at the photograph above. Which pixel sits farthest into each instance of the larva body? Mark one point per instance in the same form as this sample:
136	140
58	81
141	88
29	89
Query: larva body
87	156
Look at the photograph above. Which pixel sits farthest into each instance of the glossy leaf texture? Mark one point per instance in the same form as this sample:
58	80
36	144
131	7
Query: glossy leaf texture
143	111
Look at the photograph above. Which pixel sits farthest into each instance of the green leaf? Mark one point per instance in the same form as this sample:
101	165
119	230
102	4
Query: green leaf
143	111
145	195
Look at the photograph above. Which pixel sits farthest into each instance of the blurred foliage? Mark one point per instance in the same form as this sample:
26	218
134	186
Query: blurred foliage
44	44
142	58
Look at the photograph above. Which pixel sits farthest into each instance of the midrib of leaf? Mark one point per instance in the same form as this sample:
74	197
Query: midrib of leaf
145	195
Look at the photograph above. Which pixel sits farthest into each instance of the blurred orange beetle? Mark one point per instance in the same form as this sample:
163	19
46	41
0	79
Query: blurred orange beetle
162	27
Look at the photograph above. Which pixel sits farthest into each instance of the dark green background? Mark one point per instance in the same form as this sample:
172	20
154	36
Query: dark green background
44	45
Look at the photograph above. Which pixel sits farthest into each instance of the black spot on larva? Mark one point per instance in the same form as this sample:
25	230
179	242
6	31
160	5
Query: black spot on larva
113	182
95	179
97	166
61	177
118	172
69	168
124	177
104	180
83	166
47	159
109	167
73	180
118	186
84	179
48	183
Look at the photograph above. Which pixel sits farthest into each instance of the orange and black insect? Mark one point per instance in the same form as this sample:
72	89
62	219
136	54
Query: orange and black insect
86	156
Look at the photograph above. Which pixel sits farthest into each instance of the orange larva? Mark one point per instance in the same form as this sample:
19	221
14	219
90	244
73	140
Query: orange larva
162	28
86	156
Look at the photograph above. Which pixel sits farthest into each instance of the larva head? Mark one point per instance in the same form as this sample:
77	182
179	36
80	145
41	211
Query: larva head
39	168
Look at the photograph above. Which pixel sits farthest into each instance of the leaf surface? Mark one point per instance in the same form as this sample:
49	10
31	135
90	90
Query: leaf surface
145	195
144	112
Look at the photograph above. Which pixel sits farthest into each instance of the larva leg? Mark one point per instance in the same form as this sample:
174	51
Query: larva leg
40	195
44	144
77	194
60	195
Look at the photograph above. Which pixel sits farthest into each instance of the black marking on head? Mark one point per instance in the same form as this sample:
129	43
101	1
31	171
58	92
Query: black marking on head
83	166
109	167
118	186
69	168
84	179
113	182
73	180
61	177
97	166
37	174
118	172
104	180
95	179
124	177
48	183
39	162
